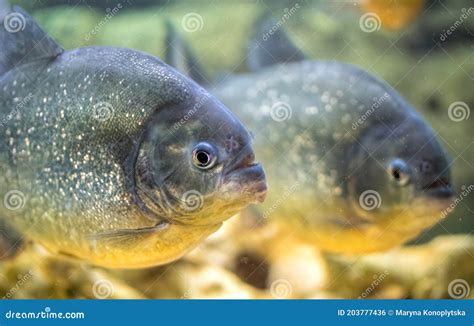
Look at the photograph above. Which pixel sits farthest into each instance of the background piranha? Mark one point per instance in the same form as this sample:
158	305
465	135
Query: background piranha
349	161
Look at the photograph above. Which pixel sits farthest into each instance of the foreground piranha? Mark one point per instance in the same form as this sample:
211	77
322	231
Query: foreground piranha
110	155
348	160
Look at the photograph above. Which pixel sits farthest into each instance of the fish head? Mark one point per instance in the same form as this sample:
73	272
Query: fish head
202	162
401	174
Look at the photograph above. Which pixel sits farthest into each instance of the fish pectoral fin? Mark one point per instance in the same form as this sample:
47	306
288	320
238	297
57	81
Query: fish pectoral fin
11	242
130	236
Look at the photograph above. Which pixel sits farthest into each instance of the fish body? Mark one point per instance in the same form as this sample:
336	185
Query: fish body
331	136
111	156
351	165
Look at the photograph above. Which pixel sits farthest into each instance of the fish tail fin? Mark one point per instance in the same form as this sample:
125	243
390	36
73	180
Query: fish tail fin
180	55
22	39
271	45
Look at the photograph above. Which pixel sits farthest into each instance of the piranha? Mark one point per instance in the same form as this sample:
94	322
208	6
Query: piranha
351	166
111	156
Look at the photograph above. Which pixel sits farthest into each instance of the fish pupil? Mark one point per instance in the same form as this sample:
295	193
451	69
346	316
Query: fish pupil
396	175
203	158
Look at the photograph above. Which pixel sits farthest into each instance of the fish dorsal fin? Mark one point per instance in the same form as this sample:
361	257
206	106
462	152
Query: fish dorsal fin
271	45
179	55
22	40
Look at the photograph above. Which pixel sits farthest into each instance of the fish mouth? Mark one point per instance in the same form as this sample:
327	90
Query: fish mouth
248	179
440	188
257	184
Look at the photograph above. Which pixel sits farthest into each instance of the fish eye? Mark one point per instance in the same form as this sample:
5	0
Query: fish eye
399	171
204	156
